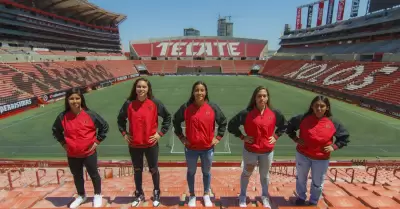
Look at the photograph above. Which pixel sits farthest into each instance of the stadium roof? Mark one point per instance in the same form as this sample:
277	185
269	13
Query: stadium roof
80	10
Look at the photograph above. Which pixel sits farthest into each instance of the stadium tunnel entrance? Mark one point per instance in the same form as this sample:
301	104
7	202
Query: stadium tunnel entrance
199	70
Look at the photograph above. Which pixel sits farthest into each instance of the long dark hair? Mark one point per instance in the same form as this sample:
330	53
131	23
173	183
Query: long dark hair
252	102
191	99
78	91
324	99
133	94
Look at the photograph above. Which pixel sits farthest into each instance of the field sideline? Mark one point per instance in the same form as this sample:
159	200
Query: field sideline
28	135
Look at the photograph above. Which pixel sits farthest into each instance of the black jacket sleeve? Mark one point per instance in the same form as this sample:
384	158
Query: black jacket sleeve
235	122
220	119
122	117
165	115
281	123
58	129
341	135
179	117
294	125
101	125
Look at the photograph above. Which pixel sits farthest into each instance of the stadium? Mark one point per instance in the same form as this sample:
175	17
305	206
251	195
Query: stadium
48	47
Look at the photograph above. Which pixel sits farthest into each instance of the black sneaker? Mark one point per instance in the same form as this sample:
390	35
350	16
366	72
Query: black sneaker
300	202
312	204
139	197
156	198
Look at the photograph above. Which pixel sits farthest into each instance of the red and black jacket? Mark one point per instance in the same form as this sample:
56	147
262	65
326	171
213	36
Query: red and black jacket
79	132
200	124
259	126
143	121
317	134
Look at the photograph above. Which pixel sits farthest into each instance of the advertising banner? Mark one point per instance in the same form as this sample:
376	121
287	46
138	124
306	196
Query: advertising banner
355	5
12	106
320	13
329	15
298	19
340	11
53	96
309	16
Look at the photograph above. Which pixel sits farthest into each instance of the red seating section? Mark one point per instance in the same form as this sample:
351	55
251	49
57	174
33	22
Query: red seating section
379	81
77	54
375	80
227	66
25	80
60	53
118	188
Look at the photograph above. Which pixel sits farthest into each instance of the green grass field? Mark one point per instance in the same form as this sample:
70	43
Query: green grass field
28	135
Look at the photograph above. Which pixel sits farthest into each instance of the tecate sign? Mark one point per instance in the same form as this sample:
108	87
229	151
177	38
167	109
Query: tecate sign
199	48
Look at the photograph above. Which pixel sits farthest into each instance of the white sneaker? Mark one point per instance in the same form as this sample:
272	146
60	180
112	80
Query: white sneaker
97	201
207	201
265	202
192	201
242	202
137	199
156	203
78	201
156	198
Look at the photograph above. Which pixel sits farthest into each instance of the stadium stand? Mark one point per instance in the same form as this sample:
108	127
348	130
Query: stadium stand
356	60
368	185
49	46
343	77
367	34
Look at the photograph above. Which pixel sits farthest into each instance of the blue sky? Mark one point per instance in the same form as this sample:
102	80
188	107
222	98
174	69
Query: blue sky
261	19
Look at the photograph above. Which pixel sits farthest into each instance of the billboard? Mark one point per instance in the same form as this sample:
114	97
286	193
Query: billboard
376	5
200	47
16	105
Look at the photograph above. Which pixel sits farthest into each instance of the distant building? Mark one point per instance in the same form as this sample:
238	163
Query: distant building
191	32
225	27
286	31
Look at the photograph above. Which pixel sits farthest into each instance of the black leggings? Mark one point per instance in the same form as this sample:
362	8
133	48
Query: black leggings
76	167
151	154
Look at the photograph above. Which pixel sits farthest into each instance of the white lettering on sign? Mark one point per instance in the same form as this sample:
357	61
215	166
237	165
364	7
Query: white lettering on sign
206	48
13	106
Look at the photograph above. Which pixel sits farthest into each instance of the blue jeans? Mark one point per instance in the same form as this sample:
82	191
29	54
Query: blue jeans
318	171
250	161
206	158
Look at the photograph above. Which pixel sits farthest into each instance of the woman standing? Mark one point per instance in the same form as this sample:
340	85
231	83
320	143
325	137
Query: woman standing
314	146
199	115
259	121
75	129
142	111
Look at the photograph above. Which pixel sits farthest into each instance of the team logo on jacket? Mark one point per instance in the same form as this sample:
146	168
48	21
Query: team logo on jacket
327	126
150	107
208	113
